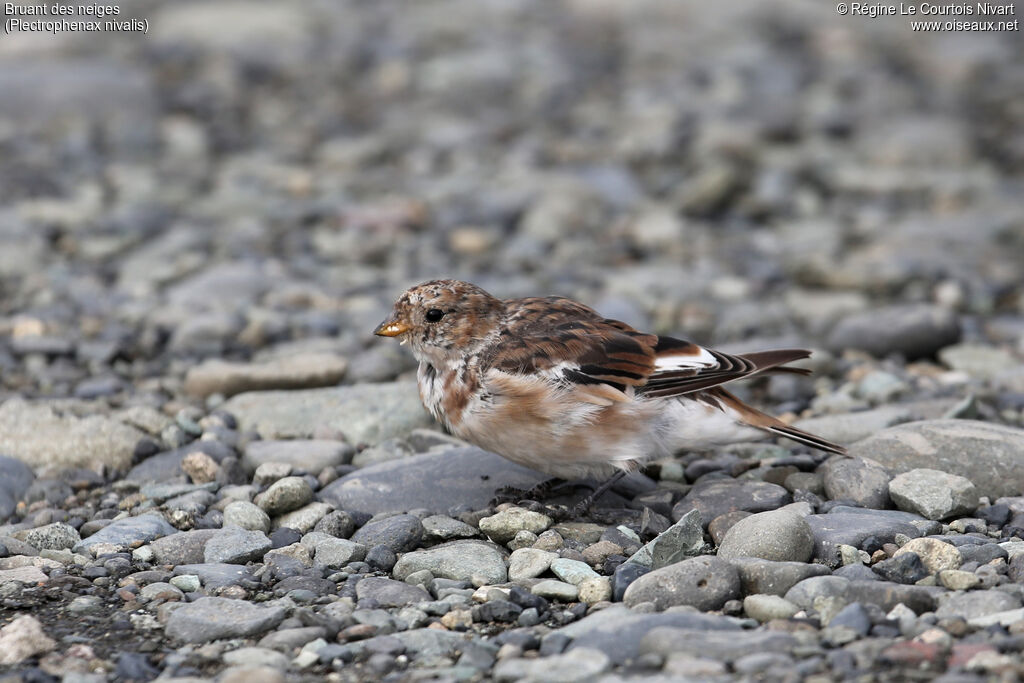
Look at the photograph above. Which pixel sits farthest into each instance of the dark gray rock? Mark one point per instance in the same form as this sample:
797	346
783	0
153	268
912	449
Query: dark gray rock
705	582
856	480
906	568
617	631
832	530
400	533
184	547
990	455
432	481
209	619
390	593
124	533
913	330
717	497
15	478
234	545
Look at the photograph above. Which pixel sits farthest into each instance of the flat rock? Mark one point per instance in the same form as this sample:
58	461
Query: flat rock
617	630
432	481
848	528
683	539
400	533
209	619
779	535
390	593
183	547
301	371
717	497
719	645
364	413
476	561
125	532
913	330
705	582
304	455
235	545
933	494
990	455
39	435
975	604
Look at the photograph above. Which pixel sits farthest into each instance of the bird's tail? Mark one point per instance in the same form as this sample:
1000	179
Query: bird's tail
755	418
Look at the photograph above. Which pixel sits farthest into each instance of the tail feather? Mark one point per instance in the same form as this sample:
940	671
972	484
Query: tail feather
807	439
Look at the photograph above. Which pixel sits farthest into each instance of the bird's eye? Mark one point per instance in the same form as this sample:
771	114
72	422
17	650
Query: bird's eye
434	315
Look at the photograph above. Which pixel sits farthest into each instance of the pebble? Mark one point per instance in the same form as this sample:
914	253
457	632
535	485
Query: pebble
912	330
285	495
23	638
683	539
475	561
705	582
529	563
123	533
933	494
235	545
765	607
780	536
246	515
935	555
209	619
556	590
717	497
503	526
572	571
400	533
857	481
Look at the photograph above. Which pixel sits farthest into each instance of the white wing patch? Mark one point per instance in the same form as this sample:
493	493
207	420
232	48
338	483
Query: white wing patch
672	362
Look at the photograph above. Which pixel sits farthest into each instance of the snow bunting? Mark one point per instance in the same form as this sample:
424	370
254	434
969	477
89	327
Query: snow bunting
551	384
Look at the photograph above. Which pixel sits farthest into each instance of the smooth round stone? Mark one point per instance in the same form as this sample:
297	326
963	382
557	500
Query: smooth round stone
935	555
303	519
401	533
476	561
572	571
159	591
285	495
767	607
529	563
780	536
705	582
933	494
957	580
209	619
551	589
503	526
856	480
186	583
86	604
247	516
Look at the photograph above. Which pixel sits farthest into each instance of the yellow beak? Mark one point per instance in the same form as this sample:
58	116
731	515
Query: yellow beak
391	328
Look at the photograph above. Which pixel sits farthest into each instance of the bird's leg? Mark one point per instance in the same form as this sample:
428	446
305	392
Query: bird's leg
539	491
584	505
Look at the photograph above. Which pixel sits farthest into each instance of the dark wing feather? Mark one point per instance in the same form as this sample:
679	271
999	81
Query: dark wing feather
546	332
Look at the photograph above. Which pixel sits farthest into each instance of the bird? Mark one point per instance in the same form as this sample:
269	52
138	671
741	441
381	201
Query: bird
551	384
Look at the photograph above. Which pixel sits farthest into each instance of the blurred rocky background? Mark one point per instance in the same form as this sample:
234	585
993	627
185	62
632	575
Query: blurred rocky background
228	205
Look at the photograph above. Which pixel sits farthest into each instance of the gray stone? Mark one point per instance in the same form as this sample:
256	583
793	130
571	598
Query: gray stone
329	551
767	607
215	576
15	478
302	371
476	561
705	582
40	435
780	535
856	480
304	519
990	455
975	604
759	576
209	619
401	533
184	547
847	428
577	665
390	593
683	539
529	563
936	556
123	533
848	528
23	638
717	497
977	360
550	589
617	630
56	536
444	528
304	455
884	594
432	481
285	495
933	494
720	645
364	413
503	526
235	545
572	571
913	330
246	515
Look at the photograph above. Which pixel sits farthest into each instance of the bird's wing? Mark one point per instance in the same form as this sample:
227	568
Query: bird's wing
574	344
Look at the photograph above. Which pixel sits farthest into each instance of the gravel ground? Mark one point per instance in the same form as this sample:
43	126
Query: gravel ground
210	470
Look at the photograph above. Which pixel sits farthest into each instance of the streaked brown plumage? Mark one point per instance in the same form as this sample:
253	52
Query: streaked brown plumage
551	384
